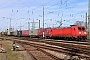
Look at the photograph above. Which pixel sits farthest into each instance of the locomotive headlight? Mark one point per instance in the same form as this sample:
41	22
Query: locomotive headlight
85	33
79	32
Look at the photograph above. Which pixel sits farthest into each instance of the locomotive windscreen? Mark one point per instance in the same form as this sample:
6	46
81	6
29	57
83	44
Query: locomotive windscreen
79	28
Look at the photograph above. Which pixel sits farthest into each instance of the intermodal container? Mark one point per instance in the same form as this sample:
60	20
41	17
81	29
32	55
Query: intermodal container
10	30
40	32
25	32
45	30
34	32
16	33
19	33
11	33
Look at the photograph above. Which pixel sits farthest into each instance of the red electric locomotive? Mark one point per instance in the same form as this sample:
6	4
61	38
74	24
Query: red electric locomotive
73	32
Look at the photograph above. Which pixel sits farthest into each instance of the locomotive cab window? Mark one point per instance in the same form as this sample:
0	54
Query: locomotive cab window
79	28
83	28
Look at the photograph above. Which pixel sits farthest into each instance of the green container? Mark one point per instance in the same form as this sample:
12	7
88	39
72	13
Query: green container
11	33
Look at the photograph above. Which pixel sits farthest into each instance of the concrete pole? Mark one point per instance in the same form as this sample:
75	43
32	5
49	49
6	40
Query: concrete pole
86	21
29	28
43	22
10	22
39	24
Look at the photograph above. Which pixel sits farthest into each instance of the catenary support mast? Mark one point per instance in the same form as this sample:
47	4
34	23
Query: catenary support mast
88	19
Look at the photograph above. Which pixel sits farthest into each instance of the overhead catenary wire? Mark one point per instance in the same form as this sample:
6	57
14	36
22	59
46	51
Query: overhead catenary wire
5	3
36	7
61	7
41	5
9	4
29	11
45	3
26	5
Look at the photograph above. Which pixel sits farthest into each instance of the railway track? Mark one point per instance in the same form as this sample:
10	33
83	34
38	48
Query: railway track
59	49
28	47
65	41
80	49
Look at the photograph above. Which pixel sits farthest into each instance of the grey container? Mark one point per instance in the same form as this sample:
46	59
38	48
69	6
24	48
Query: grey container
15	33
33	32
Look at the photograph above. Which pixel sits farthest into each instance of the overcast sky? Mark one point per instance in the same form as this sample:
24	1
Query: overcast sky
23	11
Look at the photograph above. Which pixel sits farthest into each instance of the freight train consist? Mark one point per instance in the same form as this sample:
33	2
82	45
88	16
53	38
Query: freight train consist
73	32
